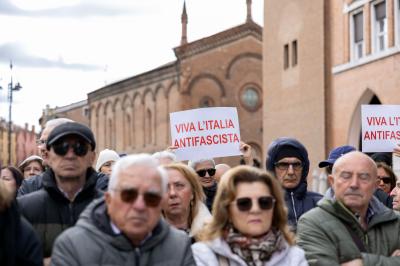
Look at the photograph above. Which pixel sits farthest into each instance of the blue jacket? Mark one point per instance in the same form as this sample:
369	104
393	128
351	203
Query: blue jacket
298	200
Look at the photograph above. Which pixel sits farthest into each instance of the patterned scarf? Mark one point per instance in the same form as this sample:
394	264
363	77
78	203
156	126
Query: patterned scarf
255	251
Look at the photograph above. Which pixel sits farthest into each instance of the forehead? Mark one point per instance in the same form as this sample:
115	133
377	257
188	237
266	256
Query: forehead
139	177
252	188
355	163
175	175
6	172
204	165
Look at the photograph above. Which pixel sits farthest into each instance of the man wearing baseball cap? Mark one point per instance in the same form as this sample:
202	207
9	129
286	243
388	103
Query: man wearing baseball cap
69	184
333	156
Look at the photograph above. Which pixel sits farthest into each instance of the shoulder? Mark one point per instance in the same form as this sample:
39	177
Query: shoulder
316	196
203	254
32	199
291	255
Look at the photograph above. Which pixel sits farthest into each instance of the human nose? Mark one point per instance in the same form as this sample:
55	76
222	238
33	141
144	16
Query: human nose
255	208
290	169
354	182
171	191
139	203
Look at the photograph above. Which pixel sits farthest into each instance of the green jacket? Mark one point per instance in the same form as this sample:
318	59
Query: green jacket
326	240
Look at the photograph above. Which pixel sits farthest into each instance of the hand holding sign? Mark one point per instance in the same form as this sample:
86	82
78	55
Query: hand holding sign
205	133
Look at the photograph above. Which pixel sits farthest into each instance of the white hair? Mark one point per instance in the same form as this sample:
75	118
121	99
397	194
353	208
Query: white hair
57	121
142	159
164	154
194	163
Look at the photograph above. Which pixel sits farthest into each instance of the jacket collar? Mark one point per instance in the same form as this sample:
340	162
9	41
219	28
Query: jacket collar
95	219
50	184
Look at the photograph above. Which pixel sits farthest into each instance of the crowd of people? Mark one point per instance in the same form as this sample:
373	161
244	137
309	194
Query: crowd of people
69	206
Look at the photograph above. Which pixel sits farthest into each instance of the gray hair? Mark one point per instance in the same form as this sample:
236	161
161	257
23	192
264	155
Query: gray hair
194	163
164	154
57	121
142	159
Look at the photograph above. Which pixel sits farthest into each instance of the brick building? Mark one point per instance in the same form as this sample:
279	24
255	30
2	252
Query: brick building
326	60
132	115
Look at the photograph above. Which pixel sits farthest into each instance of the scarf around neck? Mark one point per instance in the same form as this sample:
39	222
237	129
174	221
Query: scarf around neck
255	251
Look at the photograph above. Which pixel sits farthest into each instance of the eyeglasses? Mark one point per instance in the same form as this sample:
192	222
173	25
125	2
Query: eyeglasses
62	148
285	165
265	203
385	179
202	172
129	195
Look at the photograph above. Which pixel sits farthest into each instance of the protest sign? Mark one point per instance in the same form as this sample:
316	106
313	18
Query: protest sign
380	127
205	133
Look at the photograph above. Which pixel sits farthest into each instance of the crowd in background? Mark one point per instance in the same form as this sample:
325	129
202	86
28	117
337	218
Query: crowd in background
71	206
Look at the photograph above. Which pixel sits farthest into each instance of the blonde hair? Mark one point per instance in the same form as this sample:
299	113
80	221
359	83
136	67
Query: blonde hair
226	194
197	190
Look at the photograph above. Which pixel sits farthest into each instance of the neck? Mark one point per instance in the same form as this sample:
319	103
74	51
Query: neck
70	186
179	221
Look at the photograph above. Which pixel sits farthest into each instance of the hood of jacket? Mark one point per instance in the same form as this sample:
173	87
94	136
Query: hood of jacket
280	143
96	220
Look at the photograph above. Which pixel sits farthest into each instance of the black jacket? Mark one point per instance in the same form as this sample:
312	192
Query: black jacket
35	183
19	244
50	212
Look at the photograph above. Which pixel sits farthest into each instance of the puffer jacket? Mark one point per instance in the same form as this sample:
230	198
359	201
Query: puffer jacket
93	242
323	235
207	253
298	200
50	212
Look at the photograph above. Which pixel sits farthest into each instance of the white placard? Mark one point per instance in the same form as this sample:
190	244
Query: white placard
380	127
205	133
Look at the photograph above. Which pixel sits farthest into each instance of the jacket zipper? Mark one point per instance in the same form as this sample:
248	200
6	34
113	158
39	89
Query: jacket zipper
71	215
137	256
294	209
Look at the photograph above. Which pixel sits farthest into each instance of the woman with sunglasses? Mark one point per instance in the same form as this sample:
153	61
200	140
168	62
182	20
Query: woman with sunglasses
386	177
249	225
184	207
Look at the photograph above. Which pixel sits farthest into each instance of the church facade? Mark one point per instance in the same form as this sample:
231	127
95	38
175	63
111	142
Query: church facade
224	69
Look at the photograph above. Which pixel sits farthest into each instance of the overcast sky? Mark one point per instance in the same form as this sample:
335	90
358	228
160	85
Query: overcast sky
63	49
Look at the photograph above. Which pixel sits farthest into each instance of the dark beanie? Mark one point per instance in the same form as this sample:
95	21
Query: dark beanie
288	151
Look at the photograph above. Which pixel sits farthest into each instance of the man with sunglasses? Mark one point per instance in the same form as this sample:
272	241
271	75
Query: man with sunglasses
125	226
69	183
351	227
288	159
205	169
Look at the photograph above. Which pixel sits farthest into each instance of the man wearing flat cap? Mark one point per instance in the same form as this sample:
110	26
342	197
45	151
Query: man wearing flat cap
288	159
68	183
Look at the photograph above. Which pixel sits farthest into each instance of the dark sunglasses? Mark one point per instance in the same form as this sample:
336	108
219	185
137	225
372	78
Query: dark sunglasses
286	165
385	179
202	172
129	195
265	203
62	148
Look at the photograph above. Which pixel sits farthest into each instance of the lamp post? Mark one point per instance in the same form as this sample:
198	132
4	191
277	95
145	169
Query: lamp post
11	89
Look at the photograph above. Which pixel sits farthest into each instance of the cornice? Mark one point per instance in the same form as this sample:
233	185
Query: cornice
166	71
247	29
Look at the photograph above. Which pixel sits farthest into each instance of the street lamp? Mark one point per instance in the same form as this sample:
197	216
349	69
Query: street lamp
11	88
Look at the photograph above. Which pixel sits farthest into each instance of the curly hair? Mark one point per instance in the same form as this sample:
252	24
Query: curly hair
226	194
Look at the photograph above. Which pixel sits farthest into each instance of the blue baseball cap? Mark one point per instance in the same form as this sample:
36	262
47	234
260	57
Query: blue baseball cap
335	154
